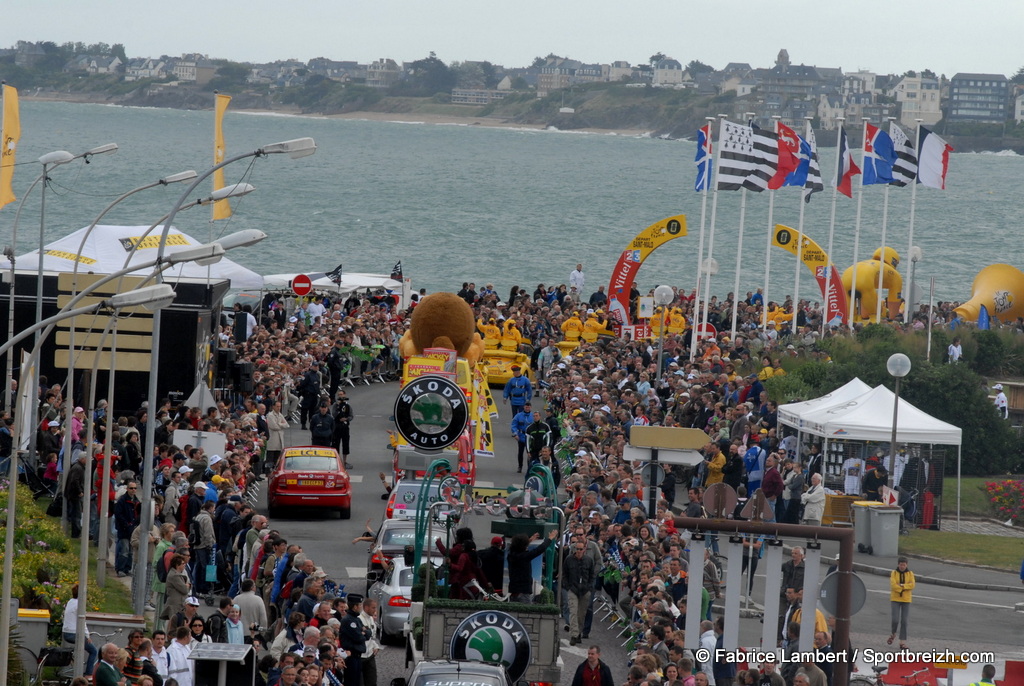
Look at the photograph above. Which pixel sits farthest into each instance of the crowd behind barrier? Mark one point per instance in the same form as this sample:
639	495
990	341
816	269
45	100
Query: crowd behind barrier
209	540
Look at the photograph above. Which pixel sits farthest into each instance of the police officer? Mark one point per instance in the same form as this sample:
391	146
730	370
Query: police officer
518	390
321	426
342	413
353	636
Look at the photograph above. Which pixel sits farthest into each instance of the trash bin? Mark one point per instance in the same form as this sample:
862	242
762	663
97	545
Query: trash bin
861	523
885	530
32	625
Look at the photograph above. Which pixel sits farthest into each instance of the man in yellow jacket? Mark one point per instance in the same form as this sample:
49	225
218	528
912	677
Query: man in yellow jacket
901	592
572	327
714	462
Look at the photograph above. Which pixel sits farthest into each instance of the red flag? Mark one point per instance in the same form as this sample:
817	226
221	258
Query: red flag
789	151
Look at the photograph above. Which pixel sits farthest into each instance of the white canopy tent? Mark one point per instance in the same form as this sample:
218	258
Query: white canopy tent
107	247
868	417
791	414
350	282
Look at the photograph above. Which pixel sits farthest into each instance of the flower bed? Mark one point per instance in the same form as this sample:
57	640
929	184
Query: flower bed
1007	497
46	561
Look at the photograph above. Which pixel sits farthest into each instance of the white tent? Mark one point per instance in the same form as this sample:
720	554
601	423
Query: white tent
349	282
107	247
791	414
868	417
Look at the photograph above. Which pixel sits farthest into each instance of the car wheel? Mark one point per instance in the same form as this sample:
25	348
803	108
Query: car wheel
345	512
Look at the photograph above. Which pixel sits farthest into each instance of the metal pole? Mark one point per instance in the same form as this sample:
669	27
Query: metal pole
652	498
892	444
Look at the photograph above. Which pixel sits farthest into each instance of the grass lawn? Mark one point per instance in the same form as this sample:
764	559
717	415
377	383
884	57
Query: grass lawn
993	551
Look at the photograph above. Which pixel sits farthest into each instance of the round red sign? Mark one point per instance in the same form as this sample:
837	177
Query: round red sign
301	285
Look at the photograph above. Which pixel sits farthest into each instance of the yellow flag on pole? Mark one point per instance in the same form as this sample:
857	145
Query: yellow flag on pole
9	136
221	208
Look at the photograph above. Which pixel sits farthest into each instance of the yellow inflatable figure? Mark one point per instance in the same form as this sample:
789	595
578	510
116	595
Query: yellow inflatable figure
866	289
572	327
1000	288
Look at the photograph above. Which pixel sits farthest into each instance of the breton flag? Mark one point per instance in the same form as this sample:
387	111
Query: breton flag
789	155
10	134
396	271
846	168
879	156
748	157
904	170
813	183
932	160
704	159
221	208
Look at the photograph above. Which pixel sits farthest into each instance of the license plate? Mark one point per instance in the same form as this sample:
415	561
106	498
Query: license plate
312	482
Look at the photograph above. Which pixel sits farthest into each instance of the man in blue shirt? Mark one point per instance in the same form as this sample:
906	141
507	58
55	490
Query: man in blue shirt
518	390
520	422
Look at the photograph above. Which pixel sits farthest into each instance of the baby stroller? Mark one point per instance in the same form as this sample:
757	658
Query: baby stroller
907	499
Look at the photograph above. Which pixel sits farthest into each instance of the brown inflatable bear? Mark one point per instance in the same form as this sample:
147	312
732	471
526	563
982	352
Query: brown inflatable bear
443	320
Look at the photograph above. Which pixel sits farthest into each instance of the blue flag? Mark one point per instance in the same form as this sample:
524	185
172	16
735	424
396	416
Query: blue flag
704	159
879	156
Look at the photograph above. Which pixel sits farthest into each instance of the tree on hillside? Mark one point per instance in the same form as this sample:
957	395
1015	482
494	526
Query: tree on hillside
655	58
490	74
538	62
928	74
117	50
695	67
426	77
1018	77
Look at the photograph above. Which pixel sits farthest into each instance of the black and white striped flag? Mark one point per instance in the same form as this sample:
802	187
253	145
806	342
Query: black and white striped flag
904	170
813	184
748	157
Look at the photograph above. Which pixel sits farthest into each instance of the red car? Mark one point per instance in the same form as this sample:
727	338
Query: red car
310	476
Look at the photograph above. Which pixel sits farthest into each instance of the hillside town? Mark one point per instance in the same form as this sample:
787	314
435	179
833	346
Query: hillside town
790	90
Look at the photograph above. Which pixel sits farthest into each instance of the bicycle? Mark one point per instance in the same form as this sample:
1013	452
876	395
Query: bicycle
908	679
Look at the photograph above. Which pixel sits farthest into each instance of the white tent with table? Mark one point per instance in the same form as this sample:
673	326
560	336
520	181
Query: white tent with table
869	417
107	247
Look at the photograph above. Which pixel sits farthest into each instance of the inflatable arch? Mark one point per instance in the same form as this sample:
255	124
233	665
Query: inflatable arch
645	242
815	259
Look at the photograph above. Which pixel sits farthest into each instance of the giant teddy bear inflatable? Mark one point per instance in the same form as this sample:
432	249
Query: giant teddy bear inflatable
443	320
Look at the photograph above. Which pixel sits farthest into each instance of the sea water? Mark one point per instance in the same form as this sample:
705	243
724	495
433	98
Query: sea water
508	206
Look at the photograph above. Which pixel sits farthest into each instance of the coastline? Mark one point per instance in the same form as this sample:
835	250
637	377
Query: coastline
364	115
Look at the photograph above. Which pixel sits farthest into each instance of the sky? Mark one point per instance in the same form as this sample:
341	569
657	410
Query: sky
882	37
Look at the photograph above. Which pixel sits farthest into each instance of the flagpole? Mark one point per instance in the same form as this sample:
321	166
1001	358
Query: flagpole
768	258
881	270
856	231
739	265
832	230
695	316
913	208
800	247
711	235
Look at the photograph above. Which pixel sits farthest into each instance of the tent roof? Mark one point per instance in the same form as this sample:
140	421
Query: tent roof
791	413
107	247
352	281
869	418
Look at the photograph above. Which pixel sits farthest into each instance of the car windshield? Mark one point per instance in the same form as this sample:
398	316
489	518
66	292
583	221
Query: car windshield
307	463
399	536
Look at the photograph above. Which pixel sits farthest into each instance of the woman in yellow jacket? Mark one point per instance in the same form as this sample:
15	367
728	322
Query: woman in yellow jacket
901	587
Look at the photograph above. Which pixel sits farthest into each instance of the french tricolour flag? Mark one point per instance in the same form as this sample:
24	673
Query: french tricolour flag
932	160
846	169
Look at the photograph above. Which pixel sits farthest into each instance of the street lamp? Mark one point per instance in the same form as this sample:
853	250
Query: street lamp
898	366
154	297
296	148
49	160
663	296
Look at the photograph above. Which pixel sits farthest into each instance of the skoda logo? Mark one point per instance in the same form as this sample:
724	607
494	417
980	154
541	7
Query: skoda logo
431	412
494	637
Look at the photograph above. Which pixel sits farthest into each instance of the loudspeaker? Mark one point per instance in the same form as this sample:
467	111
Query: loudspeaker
243	377
225	363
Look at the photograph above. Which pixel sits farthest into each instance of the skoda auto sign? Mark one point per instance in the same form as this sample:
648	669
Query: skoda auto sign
494	637
431	412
